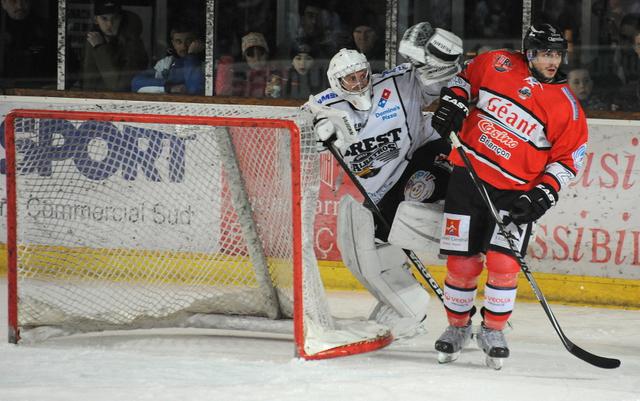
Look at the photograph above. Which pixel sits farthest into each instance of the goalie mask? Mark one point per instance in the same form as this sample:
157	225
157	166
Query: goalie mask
434	52
349	75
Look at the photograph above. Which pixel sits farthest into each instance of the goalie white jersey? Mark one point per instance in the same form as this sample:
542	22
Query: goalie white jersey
390	131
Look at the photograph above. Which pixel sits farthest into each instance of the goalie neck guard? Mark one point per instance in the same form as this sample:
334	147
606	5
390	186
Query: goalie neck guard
347	62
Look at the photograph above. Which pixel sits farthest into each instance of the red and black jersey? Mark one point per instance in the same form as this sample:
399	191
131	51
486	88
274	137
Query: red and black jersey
522	132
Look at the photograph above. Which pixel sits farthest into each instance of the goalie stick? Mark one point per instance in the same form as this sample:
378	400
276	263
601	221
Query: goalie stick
595	360
368	203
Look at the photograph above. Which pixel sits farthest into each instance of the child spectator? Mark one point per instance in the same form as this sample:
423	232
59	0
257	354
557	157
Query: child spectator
247	79
114	52
303	77
180	71
581	84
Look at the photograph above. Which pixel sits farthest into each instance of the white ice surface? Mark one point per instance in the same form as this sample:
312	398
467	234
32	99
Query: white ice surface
198	364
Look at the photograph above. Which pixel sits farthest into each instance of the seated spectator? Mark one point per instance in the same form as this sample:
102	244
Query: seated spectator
304	77
581	84
249	78
27	47
179	72
366	41
114	52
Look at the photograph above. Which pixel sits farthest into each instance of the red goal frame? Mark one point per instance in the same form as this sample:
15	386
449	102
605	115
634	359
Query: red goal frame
296	188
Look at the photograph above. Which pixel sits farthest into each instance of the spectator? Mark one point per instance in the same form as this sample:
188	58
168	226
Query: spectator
248	79
631	91
492	19
304	77
181	70
312	30
114	52
27	47
626	59
581	84
366	41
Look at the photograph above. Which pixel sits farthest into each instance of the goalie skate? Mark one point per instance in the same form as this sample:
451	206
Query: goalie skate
494	345
452	341
402	328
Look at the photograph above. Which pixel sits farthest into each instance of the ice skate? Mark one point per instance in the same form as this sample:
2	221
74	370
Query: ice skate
494	345
452	341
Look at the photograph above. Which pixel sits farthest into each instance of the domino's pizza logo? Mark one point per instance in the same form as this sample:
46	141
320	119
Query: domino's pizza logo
384	98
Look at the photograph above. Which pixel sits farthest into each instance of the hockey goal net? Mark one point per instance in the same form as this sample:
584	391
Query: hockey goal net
175	215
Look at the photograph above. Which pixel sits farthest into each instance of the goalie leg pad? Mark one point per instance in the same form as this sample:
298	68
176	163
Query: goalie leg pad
380	268
500	290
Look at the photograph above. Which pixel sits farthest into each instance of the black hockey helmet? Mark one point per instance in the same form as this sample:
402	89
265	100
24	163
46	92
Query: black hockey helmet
543	37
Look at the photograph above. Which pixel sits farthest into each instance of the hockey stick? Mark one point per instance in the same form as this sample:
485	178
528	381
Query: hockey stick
368	203
595	360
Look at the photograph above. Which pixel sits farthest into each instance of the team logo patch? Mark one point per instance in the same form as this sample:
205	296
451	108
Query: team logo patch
579	155
452	227
455	232
383	99
420	186
524	93
502	63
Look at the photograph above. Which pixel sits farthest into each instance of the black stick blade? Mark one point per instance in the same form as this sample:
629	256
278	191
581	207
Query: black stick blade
595	360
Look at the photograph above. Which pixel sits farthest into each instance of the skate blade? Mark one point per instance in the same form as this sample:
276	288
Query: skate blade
494	363
444	357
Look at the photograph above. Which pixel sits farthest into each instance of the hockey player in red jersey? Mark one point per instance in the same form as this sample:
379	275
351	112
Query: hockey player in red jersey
526	139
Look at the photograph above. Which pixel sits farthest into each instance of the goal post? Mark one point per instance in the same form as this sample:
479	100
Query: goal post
169	216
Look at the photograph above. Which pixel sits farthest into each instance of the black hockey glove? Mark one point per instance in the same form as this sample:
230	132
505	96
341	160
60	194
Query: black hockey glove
531	205
450	113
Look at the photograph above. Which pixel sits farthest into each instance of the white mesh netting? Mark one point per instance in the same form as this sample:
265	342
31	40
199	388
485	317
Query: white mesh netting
127	224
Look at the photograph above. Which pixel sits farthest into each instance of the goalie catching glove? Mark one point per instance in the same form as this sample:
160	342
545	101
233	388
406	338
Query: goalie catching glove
435	53
531	205
450	114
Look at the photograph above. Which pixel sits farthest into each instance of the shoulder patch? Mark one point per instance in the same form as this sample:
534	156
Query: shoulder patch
502	63
579	155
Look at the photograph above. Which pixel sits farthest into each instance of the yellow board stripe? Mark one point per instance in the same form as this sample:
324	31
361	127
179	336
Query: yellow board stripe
557	288
130	265
581	290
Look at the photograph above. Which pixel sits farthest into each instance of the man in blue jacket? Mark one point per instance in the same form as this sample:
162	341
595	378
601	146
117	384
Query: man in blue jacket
179	72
